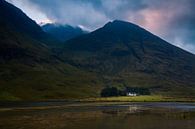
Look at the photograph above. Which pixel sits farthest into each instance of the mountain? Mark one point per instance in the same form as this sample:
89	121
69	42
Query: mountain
29	69
63	32
35	66
124	54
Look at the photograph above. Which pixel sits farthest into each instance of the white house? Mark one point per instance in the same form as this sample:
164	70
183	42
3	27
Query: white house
131	94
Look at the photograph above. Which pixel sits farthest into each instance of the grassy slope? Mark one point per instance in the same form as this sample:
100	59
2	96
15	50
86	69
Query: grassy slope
38	76
29	71
45	82
149	98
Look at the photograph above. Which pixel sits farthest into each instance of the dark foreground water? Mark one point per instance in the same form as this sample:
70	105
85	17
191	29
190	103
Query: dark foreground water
98	116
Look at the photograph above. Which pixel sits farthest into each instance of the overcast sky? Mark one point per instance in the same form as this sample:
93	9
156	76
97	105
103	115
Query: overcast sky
172	20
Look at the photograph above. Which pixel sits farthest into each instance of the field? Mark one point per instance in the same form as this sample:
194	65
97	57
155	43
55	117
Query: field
147	98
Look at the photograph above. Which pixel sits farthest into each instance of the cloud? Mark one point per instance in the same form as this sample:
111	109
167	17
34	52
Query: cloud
173	20
73	12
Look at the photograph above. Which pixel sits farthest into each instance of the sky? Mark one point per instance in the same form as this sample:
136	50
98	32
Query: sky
172	20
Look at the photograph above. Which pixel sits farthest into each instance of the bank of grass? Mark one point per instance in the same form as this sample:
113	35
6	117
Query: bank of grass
144	98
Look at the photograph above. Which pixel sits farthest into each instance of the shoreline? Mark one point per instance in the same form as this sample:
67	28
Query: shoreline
143	98
53	104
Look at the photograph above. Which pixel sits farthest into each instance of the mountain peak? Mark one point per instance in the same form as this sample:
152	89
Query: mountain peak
122	27
120	23
122	31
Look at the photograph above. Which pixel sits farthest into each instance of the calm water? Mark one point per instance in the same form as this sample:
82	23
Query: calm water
98	116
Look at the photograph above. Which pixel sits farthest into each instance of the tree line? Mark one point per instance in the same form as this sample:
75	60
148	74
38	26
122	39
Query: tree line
113	91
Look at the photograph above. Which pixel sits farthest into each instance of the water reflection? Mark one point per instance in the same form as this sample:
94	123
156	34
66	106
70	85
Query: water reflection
133	109
119	116
125	109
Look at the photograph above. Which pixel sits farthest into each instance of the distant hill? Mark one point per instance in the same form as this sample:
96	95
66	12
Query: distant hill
124	54
63	32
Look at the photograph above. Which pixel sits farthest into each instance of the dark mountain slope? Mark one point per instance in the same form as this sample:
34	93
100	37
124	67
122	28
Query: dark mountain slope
19	36
28	68
63	32
17	21
124	53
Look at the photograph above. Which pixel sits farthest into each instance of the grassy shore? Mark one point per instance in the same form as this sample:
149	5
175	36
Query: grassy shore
142	98
148	98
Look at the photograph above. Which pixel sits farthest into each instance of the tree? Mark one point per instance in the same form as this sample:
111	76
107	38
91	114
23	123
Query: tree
109	91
